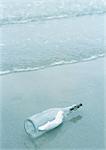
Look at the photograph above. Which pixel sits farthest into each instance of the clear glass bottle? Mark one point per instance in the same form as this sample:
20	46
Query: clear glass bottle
33	123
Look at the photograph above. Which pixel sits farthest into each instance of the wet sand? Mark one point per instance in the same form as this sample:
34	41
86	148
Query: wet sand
24	94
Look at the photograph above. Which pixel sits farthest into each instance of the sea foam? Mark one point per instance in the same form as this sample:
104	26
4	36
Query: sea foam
56	63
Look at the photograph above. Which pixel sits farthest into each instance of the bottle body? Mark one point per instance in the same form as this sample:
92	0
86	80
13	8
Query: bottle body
33	123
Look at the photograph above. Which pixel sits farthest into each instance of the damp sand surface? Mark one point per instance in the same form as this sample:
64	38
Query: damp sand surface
27	93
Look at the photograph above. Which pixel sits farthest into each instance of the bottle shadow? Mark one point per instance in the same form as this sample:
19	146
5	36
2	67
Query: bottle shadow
50	136
76	119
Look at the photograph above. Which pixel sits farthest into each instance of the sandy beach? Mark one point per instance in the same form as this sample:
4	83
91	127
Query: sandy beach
52	56
24	94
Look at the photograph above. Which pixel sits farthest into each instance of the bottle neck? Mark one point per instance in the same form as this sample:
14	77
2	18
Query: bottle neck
72	108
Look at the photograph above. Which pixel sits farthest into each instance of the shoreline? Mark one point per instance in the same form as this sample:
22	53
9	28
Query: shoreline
50	19
102	56
54	41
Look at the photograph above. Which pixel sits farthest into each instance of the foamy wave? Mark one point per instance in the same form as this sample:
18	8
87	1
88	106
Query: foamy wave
15	70
63	62
93	57
28	11
58	63
5	72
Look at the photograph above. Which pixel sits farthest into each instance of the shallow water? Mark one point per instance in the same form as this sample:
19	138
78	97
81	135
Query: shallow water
38	45
13	12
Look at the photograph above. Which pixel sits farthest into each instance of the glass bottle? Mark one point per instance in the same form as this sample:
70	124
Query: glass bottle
42	122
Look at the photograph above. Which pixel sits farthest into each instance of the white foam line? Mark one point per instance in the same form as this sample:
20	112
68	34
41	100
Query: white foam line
63	62
5	72
93	57
90	58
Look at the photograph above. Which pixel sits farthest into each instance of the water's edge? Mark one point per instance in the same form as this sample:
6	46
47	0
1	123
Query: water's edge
59	63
